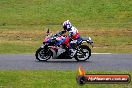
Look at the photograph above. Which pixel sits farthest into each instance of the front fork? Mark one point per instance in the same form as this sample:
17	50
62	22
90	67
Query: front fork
45	47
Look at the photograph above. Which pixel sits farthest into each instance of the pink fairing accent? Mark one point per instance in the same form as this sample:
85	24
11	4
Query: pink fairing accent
59	38
46	39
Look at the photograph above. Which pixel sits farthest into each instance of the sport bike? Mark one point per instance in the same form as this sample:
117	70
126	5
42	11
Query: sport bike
51	50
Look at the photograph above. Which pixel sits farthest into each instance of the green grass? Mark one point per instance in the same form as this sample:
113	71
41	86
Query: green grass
51	79
18	47
84	13
22	23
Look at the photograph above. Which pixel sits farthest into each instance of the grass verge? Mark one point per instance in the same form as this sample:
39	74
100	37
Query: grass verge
111	41
51	79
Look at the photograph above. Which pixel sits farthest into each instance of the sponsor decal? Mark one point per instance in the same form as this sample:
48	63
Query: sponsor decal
83	78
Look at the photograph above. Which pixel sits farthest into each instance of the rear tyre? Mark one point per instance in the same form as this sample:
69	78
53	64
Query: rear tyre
43	55
83	54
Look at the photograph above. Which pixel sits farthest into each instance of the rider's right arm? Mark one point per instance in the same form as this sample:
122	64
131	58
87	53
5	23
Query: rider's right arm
59	33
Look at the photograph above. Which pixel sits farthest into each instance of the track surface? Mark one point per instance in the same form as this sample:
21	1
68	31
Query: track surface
107	62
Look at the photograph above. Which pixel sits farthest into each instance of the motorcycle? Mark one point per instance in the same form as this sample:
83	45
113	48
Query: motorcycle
50	49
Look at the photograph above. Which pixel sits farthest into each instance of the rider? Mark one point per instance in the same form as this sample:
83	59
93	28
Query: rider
73	34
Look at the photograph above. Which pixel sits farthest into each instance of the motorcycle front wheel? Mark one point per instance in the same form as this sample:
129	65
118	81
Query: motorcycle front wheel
43	55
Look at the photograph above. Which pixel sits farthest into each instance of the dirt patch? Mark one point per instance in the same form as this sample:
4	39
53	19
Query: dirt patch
18	35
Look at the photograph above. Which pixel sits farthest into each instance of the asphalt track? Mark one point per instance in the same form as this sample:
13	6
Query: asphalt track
105	62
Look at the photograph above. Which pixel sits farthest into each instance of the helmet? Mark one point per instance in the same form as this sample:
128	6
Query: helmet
67	25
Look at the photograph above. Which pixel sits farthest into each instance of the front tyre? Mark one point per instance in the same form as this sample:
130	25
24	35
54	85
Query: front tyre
83	53
43	55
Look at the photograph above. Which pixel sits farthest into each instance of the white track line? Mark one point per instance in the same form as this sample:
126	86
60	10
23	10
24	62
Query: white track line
101	53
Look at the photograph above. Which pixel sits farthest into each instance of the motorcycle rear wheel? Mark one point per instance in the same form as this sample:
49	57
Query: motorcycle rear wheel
83	54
